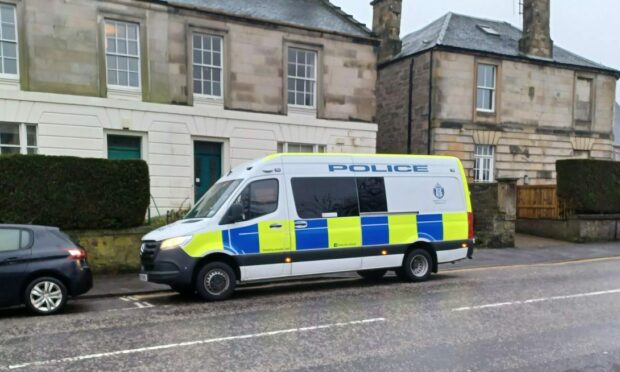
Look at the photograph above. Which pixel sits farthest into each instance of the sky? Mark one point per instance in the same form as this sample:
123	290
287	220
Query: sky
589	28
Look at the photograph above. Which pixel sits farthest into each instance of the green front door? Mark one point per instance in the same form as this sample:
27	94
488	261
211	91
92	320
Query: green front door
207	166
124	147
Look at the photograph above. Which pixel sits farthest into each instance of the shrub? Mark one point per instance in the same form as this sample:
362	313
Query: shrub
73	193
589	186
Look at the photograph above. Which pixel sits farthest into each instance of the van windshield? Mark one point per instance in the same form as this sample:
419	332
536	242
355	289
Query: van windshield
212	201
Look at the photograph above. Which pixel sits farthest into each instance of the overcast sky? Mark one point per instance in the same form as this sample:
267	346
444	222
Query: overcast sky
589	28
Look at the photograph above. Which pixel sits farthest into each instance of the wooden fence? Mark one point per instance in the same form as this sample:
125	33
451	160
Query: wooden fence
540	202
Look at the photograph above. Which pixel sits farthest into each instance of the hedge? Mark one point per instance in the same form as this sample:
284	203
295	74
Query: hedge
589	186
73	193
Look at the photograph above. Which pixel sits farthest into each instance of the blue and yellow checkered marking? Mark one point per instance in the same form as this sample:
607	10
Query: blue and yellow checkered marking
329	233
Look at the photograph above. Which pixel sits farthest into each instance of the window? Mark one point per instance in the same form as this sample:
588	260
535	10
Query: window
259	198
299	147
124	147
325	197
371	192
584	99
14	239
485	97
16	138
122	48
207	64
301	77
489	30
8	41
483	163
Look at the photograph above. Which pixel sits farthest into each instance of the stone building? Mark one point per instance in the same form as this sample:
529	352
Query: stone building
509	103
193	87
617	133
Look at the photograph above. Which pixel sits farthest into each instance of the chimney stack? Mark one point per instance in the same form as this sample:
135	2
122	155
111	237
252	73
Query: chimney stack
536	40
386	26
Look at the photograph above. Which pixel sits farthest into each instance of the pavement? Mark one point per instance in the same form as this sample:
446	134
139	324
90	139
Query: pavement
541	312
531	249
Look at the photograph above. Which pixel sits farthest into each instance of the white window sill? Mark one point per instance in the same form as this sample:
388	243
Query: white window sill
9	82
208	101
485	111
301	110
125	93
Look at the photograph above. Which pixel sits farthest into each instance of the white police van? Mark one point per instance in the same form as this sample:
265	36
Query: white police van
290	215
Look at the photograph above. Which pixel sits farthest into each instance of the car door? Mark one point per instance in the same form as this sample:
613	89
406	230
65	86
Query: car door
261	237
15	254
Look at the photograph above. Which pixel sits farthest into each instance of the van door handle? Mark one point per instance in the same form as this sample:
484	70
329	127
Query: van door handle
301	224
275	226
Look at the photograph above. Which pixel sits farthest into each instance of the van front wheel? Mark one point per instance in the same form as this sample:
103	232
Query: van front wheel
216	281
417	266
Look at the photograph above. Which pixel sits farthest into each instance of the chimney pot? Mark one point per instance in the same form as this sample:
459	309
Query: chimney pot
386	26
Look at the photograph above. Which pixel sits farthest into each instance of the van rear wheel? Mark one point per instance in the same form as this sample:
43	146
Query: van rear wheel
216	281
372	275
417	266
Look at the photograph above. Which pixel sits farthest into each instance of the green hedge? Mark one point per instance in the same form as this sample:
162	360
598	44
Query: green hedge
73	193
589	186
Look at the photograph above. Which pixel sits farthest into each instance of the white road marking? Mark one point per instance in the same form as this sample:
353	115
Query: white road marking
136	302
534	300
193	343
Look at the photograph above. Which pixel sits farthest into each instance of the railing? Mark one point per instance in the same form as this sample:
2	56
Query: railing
540	202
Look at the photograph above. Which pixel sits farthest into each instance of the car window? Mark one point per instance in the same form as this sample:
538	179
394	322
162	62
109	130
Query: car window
371	191
10	239
259	198
25	239
320	197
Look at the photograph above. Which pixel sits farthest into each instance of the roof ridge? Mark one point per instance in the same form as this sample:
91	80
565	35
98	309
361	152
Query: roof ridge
444	28
338	10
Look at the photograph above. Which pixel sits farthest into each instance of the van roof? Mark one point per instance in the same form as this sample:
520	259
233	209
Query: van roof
325	154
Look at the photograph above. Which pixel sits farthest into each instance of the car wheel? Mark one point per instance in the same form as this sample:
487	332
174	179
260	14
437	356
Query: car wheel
216	281
45	296
372	274
417	266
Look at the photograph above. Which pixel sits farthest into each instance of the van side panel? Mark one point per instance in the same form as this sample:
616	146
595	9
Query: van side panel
455	226
403	228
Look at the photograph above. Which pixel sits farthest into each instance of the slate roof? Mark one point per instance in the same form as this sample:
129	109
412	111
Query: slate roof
315	14
464	32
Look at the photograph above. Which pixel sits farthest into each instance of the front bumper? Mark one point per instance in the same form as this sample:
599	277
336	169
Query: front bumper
172	267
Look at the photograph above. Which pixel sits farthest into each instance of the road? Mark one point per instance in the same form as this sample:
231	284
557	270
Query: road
557	317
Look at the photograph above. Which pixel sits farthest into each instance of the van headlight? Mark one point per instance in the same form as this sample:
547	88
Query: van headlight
177	242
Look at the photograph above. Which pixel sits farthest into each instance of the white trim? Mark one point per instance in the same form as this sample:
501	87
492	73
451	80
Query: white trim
22	134
124	93
314	79
208	97
482	157
493	88
128	133
5	75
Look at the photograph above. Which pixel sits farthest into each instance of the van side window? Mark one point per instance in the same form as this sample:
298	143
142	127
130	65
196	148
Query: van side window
259	198
371	191
322	197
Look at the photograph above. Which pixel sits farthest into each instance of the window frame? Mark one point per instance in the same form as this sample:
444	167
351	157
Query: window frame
316	148
315	52
590	80
17	74
22	132
116	87
222	52
478	176
139	136
493	89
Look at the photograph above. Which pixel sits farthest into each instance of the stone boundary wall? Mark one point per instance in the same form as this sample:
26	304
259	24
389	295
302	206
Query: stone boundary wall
112	251
579	229
494	206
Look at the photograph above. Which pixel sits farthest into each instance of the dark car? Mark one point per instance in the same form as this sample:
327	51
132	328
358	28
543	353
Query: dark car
40	267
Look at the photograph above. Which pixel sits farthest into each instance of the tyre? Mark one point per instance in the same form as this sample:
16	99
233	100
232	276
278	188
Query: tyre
45	296
372	275
417	266
216	281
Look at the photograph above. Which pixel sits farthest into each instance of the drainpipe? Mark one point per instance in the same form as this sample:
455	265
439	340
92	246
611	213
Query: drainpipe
430	105
410	108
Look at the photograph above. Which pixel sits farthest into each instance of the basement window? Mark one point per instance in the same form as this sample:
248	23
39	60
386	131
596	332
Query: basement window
489	30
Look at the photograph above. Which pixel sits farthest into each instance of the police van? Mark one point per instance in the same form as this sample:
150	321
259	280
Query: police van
290	215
